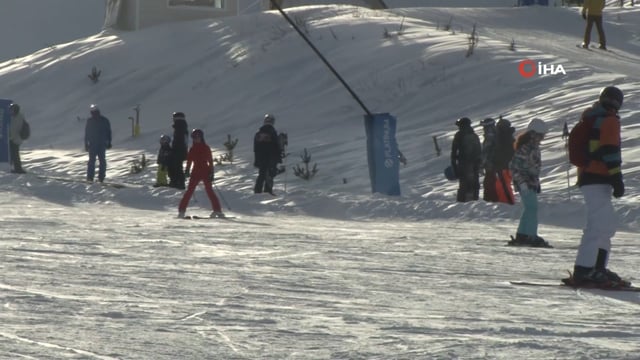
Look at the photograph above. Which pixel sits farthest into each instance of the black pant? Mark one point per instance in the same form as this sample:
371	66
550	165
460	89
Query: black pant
14	153
264	182
176	174
597	19
468	182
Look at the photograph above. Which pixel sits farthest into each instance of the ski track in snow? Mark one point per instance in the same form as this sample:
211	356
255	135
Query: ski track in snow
138	286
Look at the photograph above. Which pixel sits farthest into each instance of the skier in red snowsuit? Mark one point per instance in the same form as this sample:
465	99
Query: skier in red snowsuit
200	156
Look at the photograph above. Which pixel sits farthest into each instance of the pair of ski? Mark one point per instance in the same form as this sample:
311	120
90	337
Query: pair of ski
630	288
196	217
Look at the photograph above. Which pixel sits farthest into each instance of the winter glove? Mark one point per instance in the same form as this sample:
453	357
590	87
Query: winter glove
618	185
211	176
108	145
584	15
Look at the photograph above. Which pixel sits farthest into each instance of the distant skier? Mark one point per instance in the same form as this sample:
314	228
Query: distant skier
525	166
200	156
488	149
502	156
267	155
164	160
466	159
592	13
97	139
179	146
597	180
15	138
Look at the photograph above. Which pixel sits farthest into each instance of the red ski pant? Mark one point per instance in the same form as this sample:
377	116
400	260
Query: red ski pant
194	180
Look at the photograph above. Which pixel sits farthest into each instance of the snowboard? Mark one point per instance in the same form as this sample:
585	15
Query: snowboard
562	285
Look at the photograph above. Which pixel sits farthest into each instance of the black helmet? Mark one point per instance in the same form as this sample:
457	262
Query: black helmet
178	115
463	122
488	122
611	96
15	108
269	119
93	109
197	133
165	139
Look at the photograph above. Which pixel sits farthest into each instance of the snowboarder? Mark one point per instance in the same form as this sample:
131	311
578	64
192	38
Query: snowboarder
97	139
466	158
592	13
596	180
200	156
164	160
525	167
488	148
267	155
179	146
15	138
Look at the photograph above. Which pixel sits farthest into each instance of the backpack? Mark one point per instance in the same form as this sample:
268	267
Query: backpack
25	130
579	142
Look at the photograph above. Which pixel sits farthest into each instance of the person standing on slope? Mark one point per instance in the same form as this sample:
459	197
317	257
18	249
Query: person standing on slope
97	139
179	146
267	155
466	158
15	138
200	156
592	13
488	149
596	181
525	166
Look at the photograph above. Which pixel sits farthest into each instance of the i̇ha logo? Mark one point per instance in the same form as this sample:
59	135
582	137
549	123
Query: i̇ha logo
529	68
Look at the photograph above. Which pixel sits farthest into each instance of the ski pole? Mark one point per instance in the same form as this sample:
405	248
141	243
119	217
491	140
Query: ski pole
222	197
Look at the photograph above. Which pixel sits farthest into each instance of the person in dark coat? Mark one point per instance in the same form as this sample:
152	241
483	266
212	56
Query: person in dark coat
97	139
267	155
179	146
488	150
466	158
502	156
15	140
164	160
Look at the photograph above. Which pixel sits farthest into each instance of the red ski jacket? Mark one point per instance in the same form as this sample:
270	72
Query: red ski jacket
200	156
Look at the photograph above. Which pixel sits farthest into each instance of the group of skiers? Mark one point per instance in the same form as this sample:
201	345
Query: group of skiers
508	160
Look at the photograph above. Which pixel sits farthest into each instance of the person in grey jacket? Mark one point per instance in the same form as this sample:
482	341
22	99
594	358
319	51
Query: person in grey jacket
15	140
97	139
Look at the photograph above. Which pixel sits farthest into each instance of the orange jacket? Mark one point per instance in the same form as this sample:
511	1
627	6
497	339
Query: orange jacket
200	156
593	7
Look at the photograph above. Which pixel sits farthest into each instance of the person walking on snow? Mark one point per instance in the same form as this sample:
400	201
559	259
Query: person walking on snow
15	138
525	167
267	155
466	158
200	156
596	181
97	139
592	13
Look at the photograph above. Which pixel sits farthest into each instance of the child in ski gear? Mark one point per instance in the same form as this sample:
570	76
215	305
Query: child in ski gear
267	155
200	156
596	181
466	158
502	155
488	148
97	139
592	13
179	148
164	160
525	167
15	140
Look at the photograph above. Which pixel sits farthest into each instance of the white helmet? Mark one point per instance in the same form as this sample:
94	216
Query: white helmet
538	126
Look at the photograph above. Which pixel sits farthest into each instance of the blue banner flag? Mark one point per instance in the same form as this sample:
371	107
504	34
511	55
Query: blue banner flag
5	117
382	154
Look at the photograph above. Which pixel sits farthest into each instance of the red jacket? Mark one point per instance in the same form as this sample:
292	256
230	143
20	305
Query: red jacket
200	156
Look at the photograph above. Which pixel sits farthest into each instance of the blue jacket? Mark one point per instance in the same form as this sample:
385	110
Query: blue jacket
97	133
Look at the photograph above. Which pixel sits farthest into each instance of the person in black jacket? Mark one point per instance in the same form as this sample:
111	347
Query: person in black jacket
466	158
268	154
179	146
164	160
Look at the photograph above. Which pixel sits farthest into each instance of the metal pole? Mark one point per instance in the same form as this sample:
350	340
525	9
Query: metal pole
221	197
275	4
